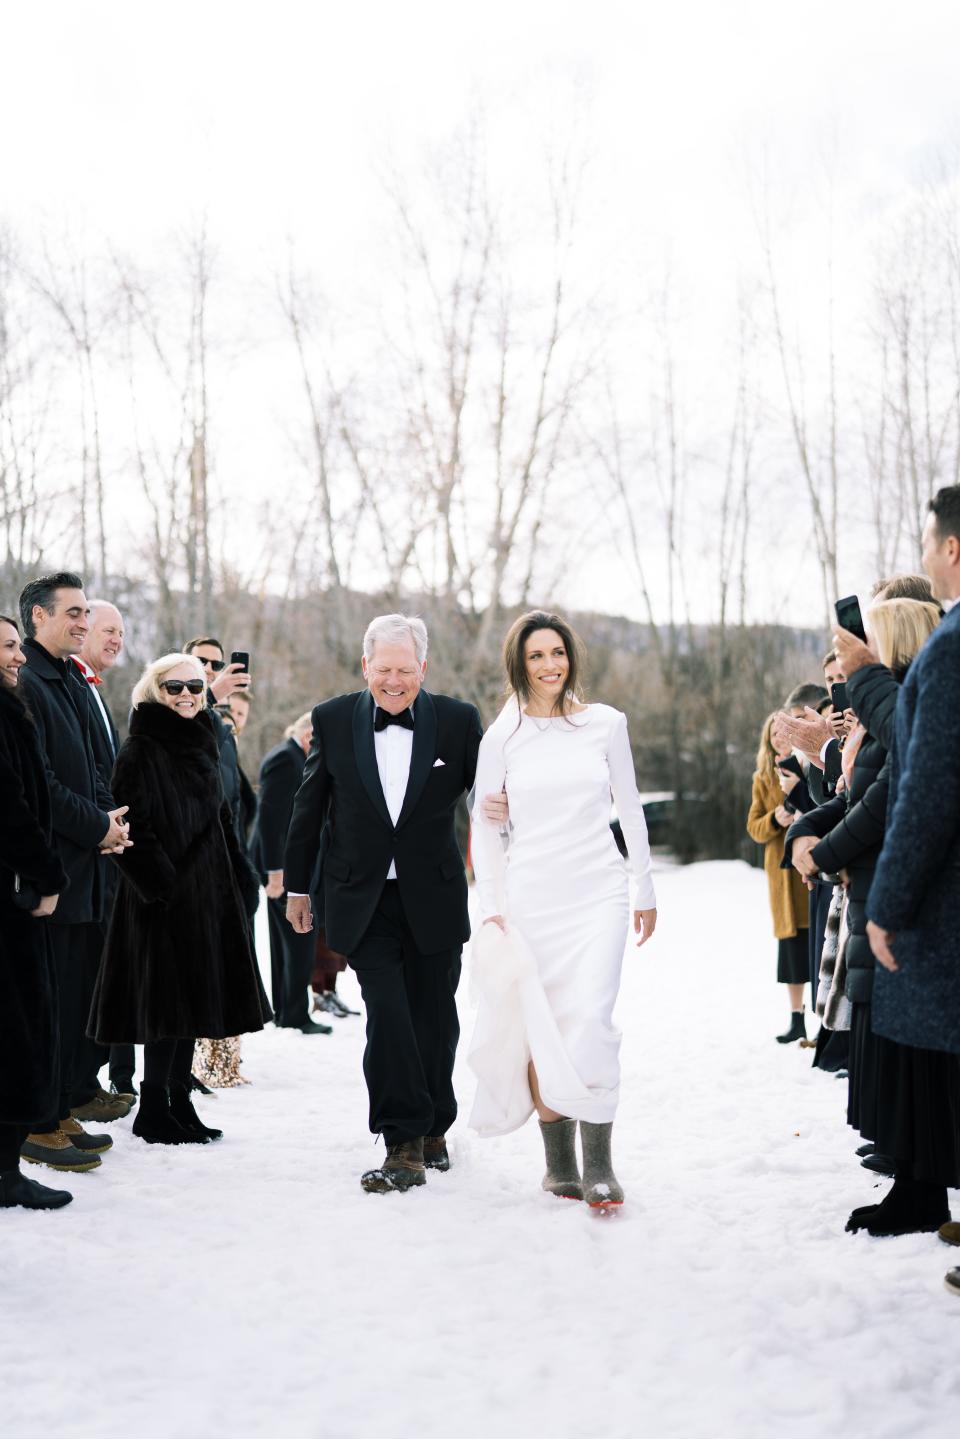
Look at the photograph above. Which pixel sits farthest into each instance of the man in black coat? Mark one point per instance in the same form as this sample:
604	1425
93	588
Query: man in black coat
291	953
101	650
386	771
53	610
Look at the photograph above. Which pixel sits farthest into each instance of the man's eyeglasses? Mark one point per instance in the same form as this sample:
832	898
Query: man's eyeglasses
175	687
215	665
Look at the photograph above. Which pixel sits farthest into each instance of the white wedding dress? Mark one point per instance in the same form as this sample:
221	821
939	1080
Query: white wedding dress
547	990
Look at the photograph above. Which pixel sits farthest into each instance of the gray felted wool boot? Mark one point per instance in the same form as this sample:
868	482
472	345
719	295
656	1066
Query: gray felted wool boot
600	1185
560	1147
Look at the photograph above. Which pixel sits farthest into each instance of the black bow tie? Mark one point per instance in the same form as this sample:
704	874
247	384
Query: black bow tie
382	718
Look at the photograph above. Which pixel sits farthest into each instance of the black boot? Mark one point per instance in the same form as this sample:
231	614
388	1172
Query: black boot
910	1207
601	1188
17	1190
181	1107
797	1030
154	1122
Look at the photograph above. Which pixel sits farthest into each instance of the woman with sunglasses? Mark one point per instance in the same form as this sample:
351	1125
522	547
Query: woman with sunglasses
178	963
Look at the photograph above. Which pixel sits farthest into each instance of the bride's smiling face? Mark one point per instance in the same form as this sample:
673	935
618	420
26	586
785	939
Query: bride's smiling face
548	665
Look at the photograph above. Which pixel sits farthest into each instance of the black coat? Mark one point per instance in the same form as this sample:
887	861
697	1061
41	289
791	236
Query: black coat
178	961
916	888
850	829
56	694
341	785
29	1077
281	774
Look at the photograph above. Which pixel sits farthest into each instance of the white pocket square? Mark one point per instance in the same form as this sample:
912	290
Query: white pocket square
437	763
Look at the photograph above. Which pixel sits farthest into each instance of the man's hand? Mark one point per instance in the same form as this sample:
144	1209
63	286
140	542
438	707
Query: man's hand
852	653
808	735
644	923
495	808
800	855
117	837
274	885
498	920
783	816
48	903
881	942
299	913
233	678
788	780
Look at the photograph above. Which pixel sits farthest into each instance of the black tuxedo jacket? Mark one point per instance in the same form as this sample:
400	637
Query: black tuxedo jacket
280	775
341	788
55	692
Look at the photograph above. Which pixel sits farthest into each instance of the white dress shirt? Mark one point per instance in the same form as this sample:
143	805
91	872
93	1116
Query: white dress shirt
394	750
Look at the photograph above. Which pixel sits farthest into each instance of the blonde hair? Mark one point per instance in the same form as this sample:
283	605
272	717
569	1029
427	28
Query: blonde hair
899	628
766	754
147	688
299	726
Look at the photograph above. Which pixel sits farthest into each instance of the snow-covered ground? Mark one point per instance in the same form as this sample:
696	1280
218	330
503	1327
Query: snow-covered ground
251	1288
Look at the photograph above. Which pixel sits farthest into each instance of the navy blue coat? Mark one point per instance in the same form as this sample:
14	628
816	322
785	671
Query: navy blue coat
916	887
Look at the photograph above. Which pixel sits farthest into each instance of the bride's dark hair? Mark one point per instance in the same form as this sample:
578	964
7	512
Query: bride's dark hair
514	658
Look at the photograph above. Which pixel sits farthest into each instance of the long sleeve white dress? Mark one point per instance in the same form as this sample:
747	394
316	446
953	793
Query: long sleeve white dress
562	886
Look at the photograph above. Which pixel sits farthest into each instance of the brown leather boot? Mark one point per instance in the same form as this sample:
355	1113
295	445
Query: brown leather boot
435	1152
402	1169
80	1139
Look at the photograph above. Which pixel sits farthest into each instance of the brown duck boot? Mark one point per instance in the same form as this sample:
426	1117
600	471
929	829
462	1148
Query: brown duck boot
402	1169
102	1108
435	1152
559	1146
56	1152
950	1232
601	1188
80	1139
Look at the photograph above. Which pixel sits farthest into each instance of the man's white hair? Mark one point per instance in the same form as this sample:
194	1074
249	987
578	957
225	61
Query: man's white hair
395	630
94	605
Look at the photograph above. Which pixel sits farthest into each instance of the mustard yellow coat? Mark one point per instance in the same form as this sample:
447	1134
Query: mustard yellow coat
789	902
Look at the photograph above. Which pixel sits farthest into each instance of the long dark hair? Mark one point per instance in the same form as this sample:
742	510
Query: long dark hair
514	659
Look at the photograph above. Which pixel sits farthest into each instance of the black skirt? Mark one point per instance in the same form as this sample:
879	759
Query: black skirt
793	959
907	1101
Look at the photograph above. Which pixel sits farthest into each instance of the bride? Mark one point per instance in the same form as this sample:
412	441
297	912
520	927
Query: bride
555	909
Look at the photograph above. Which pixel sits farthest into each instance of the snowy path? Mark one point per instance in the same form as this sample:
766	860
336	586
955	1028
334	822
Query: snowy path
251	1288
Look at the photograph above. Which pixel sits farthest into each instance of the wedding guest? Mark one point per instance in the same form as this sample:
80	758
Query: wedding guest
767	821
86	824
178	963
562	899
31	877
101	650
912	908
291	954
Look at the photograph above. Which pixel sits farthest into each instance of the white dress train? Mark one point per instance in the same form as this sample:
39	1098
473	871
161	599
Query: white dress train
548	988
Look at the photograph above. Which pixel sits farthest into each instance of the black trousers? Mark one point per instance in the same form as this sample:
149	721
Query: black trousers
167	1061
11	1138
412	1026
123	1061
76	956
291	964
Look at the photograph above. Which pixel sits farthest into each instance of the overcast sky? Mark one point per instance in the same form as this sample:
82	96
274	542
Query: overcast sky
127	119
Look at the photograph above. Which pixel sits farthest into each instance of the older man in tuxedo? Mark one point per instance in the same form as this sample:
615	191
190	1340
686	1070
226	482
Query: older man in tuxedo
386	770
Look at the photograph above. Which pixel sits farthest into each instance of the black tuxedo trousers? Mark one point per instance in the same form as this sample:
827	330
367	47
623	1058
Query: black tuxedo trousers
412	1025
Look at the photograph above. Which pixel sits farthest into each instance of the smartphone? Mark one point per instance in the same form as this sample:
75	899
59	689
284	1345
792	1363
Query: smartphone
850	618
791	765
241	658
838	697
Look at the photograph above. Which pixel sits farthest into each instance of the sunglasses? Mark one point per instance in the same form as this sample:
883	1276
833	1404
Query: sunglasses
215	665
175	687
